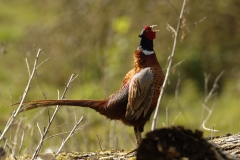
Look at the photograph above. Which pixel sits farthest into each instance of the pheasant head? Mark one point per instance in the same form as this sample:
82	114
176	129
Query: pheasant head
147	36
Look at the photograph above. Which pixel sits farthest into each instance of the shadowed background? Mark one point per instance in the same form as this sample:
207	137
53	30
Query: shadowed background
95	40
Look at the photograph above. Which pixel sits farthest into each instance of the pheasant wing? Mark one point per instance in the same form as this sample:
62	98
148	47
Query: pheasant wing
140	94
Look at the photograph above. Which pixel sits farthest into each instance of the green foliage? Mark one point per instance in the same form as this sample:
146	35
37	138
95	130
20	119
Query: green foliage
96	40
121	24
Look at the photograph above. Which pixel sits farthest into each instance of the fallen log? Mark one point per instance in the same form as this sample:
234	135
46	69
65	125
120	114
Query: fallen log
180	143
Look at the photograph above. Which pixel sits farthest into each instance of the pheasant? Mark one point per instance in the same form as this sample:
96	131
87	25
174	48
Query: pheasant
136	99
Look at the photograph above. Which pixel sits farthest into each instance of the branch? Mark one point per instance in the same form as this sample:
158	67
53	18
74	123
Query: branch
69	135
46	130
64	132
176	33
15	113
9	147
210	95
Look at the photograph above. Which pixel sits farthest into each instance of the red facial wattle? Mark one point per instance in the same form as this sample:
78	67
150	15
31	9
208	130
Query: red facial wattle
149	33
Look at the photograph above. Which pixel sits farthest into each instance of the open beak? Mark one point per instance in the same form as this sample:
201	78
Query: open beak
152	26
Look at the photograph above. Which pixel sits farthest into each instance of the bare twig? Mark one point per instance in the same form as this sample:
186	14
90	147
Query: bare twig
207	98
69	135
206	79
170	3
167	114
21	142
39	130
197	22
46	130
42	63
64	132
210	111
178	64
99	143
29	72
16	137
58	126
215	86
176	117
177	87
212	134
169	64
15	113
167	117
9	147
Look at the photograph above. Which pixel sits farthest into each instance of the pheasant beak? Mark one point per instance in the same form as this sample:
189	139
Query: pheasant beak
152	26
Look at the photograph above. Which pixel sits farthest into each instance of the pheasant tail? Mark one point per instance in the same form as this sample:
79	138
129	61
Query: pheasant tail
94	104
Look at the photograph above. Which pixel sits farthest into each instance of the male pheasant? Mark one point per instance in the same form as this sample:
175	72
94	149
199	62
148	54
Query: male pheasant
137	98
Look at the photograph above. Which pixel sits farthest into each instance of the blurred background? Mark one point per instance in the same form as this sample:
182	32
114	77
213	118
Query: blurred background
96	40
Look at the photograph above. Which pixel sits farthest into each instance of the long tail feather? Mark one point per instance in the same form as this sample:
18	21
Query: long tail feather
94	104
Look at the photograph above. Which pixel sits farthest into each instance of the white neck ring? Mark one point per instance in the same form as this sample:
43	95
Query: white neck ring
146	52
